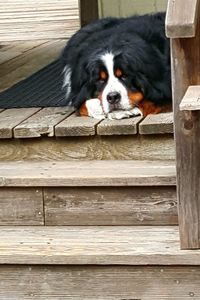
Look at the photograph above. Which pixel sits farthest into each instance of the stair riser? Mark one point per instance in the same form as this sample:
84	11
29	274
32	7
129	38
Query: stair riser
147	147
86	282
89	206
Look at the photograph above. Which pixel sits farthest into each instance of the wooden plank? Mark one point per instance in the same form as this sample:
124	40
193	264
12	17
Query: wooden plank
101	245
157	124
42	123
10	118
29	62
86	282
87	173
89	11
21	206
110	206
118	127
181	18
191	100
14	49
130	147
28	20
77	126
185	71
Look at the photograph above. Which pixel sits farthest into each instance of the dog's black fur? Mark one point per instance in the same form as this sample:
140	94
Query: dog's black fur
141	50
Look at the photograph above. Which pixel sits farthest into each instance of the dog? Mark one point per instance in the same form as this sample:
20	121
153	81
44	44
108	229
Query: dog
119	68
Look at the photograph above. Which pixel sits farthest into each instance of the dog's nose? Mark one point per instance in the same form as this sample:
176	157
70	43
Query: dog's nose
113	97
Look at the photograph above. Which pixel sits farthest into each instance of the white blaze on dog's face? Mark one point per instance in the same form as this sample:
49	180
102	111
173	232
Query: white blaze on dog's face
115	94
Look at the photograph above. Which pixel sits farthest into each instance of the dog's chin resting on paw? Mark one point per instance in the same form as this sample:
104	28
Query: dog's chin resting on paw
119	68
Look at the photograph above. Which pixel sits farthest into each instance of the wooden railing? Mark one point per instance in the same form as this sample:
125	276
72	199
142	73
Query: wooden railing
183	27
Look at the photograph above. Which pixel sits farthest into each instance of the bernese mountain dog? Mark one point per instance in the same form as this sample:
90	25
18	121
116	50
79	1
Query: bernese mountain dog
119	67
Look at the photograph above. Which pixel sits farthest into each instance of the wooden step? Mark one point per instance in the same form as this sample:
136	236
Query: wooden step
58	134
87	173
88	193
103	245
76	262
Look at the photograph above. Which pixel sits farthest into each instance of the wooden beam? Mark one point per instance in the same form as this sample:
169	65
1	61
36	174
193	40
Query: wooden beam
181	18
186	72
88	10
191	100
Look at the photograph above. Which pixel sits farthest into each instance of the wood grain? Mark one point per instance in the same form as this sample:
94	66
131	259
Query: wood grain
181	18
76	126
29	20
110	206
99	245
10	118
191	100
30	61
21	206
42	123
87	173
118	127
146	147
185	71
86	282
157	124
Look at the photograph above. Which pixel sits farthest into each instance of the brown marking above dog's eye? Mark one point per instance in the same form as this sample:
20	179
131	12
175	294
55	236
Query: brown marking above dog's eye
118	72
103	75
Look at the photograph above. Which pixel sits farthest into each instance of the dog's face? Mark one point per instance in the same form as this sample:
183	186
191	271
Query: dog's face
113	85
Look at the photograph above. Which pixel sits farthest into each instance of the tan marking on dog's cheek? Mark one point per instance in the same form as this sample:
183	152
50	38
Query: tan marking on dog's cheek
83	110
148	107
135	98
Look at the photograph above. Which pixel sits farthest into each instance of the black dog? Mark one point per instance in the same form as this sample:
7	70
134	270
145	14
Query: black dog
119	67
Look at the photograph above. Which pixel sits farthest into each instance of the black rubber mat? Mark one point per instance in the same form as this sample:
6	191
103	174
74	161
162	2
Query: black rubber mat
42	89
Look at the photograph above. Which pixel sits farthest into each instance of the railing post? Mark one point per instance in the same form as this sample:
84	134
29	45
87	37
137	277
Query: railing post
88	10
185	56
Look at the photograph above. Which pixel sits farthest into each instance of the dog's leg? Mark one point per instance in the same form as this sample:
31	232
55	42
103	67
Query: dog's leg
125	114
92	108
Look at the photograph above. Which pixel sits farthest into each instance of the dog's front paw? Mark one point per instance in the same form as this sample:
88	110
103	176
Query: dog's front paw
124	114
95	109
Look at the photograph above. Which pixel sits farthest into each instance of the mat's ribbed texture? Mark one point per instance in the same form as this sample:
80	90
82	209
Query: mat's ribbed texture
42	89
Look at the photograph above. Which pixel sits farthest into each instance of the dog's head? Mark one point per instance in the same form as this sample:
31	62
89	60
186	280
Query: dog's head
120	76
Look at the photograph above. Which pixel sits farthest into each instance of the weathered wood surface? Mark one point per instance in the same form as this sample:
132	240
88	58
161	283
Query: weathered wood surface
110	206
181	18
86	282
20	206
118	127
87	173
146	147
11	118
34	57
88	11
157	124
103	245
9	51
29	20
191	100
42	123
185	70
77	126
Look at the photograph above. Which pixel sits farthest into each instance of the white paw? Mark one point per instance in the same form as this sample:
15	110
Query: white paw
95	109
124	114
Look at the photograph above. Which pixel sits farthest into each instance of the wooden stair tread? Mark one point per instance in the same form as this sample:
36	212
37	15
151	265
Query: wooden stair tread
29	123
127	245
88	173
